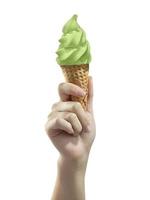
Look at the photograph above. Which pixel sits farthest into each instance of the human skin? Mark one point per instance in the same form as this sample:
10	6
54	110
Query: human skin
72	131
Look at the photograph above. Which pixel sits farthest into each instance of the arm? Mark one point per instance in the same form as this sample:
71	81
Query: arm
70	181
72	131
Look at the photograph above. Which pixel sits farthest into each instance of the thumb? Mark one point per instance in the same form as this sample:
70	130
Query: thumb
90	95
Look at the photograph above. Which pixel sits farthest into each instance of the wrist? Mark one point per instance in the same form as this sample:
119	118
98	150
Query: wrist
74	166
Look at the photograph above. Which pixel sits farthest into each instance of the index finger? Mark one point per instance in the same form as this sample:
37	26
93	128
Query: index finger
67	89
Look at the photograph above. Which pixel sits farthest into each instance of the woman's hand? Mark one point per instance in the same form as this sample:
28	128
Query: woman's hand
72	131
70	128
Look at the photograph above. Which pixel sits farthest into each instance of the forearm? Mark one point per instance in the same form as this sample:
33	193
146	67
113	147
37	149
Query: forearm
70	183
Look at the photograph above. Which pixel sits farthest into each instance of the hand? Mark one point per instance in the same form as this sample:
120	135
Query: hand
70	128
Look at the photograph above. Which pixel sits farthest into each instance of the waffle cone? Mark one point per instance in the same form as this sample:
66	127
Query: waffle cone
77	74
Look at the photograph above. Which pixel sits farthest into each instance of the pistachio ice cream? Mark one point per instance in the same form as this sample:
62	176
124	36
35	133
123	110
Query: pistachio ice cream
73	55
74	49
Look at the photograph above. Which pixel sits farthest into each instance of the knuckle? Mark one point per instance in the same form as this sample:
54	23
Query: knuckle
57	121
72	116
47	127
50	115
60	86
77	106
54	106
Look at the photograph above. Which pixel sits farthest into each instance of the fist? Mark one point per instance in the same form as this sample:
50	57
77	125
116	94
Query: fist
70	128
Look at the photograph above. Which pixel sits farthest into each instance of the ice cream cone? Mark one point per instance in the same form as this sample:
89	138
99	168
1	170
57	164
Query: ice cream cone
77	74
73	55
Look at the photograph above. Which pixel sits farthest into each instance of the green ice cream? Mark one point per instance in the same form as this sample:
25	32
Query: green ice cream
74	49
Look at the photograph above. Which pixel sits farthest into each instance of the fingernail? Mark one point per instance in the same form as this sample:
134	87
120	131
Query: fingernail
71	131
83	93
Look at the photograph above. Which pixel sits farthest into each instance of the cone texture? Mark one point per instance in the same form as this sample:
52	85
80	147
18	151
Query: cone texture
77	74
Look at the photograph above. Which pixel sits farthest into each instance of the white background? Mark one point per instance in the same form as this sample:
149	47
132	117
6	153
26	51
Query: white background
119	34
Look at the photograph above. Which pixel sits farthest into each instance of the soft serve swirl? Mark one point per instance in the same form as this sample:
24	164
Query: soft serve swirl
74	49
